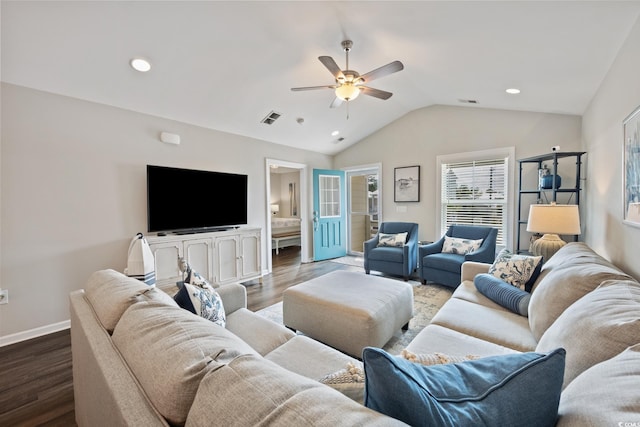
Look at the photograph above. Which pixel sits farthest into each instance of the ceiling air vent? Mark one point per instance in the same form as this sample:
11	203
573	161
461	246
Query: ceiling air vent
271	118
468	101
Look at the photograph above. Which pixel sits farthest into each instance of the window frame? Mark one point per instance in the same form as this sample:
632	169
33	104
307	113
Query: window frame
507	153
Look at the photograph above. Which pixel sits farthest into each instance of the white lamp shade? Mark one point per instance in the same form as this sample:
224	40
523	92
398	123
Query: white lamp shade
554	219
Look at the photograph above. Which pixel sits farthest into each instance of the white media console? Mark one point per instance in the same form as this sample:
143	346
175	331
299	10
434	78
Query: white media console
221	257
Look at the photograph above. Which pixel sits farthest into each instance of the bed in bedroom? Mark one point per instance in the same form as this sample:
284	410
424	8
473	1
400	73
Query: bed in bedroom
285	232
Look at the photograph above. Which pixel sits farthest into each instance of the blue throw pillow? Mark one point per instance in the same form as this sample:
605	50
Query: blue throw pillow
502	293
491	391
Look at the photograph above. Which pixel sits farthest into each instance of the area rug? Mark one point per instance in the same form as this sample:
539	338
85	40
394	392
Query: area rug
350	260
427	300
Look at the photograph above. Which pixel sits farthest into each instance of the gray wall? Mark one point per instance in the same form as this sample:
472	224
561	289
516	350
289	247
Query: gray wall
422	135
74	192
602	132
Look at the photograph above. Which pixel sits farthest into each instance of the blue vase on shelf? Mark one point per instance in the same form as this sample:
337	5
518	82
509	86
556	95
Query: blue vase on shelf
547	182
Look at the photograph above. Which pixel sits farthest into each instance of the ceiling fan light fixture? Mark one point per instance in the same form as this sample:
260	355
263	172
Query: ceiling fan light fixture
347	92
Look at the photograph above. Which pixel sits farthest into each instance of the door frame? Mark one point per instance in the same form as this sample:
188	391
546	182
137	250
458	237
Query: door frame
303	206
355	171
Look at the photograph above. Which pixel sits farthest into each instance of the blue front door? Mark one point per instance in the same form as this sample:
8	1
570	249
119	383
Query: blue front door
329	216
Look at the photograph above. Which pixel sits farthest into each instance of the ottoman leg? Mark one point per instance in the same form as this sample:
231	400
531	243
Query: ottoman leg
405	327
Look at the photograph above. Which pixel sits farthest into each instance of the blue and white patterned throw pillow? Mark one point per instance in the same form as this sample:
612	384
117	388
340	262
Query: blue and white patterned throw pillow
456	245
520	271
199	297
396	240
205	302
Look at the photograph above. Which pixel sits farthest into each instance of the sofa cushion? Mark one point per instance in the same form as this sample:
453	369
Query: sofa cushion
260	333
394	240
583	402
443	261
499	326
181	347
111	293
308	357
520	271
508	296
469	393
252	391
460	246
387	253
436	338
202	300
608	316
570	273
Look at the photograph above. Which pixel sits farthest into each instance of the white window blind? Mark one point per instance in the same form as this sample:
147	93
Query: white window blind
474	193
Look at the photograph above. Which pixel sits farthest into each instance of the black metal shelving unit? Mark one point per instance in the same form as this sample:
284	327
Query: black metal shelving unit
553	192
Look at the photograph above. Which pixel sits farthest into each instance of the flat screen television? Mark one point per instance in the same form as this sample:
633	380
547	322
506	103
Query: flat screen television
187	200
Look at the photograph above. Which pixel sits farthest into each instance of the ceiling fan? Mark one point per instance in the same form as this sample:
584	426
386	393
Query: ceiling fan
349	83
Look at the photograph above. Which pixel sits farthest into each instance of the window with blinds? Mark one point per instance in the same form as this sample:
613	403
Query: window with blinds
475	193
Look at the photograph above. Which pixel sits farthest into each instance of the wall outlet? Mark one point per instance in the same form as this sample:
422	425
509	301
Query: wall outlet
4	296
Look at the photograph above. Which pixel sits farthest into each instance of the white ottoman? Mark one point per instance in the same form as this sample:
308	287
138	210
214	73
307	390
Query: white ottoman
349	310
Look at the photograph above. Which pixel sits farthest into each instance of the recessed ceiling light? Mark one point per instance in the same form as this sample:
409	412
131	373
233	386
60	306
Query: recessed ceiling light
140	64
335	133
513	91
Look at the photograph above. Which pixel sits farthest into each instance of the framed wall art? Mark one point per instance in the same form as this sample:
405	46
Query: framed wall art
406	182
631	167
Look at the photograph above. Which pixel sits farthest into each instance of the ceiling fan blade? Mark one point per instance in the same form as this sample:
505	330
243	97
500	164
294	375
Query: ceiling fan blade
336	103
331	65
376	93
296	89
385	70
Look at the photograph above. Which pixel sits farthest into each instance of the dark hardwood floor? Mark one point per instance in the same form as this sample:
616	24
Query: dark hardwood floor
36	385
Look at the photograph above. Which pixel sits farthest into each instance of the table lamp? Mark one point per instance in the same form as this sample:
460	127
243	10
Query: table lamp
552	220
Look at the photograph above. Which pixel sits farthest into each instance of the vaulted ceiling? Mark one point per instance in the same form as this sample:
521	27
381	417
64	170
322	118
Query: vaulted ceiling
227	65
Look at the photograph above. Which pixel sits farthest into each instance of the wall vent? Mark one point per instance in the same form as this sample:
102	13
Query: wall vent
468	101
271	118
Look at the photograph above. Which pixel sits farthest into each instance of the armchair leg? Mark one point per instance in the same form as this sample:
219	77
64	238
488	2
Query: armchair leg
366	271
424	281
406	278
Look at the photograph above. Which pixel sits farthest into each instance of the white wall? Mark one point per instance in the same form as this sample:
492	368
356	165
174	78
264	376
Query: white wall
422	135
602	132
73	192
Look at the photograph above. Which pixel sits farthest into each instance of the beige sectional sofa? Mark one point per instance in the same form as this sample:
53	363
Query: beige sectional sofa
138	359
580	302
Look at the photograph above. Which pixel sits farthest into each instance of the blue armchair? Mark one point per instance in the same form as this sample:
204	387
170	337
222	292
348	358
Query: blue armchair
444	268
400	260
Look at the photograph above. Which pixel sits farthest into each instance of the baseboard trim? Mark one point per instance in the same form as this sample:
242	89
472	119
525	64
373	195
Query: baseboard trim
34	333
